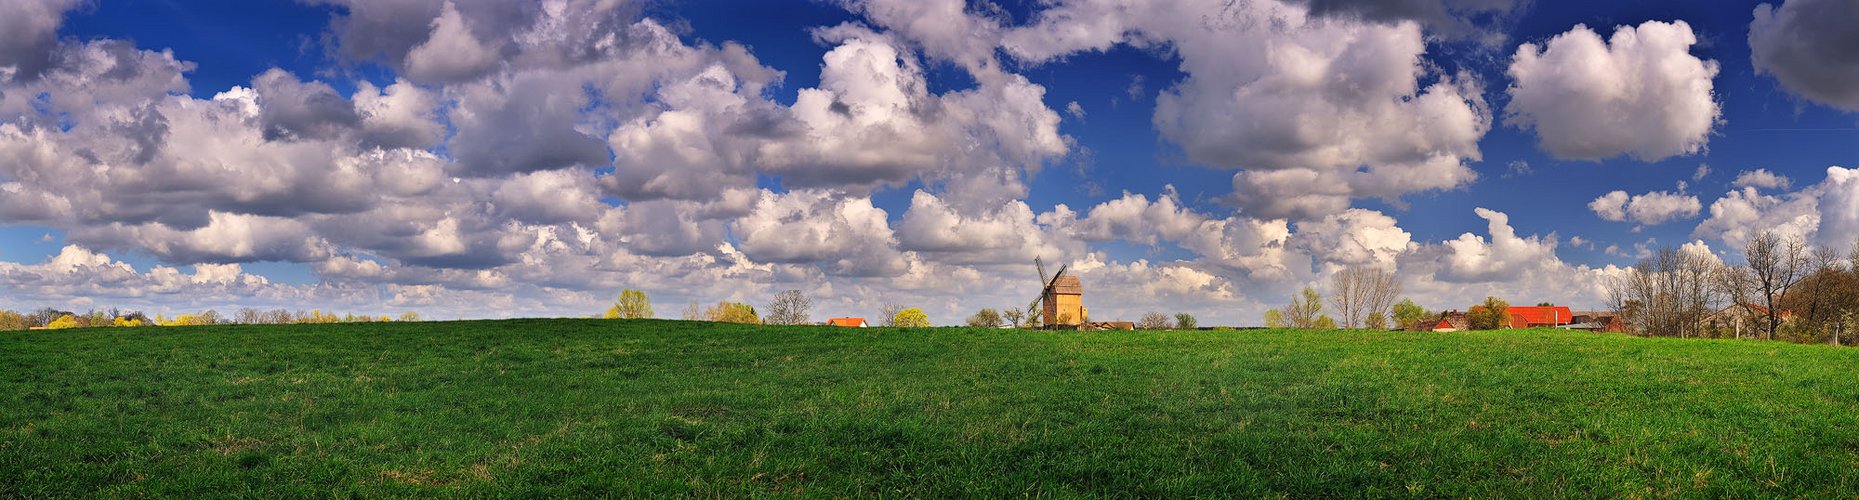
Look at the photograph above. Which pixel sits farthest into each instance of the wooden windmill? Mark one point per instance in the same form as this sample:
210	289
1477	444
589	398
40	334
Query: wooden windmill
1061	298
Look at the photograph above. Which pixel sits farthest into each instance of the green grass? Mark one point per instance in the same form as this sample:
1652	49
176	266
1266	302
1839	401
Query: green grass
650	408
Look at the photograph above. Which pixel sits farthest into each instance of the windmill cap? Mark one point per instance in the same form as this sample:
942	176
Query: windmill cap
1068	284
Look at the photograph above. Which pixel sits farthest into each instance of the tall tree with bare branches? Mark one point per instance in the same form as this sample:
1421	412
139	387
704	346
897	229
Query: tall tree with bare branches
1358	293
1775	264
790	307
1669	293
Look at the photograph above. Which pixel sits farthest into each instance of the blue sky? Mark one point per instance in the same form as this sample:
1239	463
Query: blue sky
1111	149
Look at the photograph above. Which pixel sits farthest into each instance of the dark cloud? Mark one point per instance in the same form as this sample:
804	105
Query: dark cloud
525	125
149	129
1447	17
292	109
28	32
1812	47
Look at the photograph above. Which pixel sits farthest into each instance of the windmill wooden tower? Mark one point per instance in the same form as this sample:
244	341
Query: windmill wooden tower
1060	303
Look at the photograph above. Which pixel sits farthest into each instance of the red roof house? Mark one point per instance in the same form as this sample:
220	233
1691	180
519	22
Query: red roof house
1449	322
847	322
1540	316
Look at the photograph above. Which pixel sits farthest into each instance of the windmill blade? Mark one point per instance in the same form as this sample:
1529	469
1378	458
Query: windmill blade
1033	309
1042	269
1055	277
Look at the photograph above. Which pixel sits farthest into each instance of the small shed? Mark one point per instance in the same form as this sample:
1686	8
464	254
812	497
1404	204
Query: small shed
1598	322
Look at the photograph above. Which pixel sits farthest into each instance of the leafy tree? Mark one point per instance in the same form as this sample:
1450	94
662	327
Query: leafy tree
633	304
1185	321
985	318
1274	318
1324	322
1304	309
132	318
733	312
789	308
1406	313
315	316
45	316
910	318
1492	315
12	320
1376	321
196	320
1013	315
409	317
63	322
96	318
1153	320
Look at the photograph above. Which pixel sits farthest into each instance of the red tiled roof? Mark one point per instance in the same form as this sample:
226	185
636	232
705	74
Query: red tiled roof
852	322
1525	316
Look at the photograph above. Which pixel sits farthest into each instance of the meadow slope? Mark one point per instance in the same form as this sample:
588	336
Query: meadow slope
649	408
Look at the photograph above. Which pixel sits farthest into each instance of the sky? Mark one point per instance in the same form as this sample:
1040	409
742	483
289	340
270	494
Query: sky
486	158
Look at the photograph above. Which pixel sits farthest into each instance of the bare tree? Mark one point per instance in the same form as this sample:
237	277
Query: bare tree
249	316
790	307
1776	264
1013	316
1852	259
1734	284
888	313
693	312
1821	263
1670	293
280	316
1357	292
1153	320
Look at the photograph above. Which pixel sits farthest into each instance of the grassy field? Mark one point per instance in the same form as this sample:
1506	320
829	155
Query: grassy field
649	408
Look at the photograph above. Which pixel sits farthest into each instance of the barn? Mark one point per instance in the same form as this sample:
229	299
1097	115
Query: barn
1540	316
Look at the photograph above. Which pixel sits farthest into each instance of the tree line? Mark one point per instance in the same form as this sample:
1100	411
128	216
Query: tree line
787	307
1361	297
56	319
1785	289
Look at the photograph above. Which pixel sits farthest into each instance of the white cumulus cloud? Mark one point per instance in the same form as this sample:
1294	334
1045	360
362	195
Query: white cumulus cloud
1649	209
1639	93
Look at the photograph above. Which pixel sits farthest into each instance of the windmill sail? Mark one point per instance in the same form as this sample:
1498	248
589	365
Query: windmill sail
1045	293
